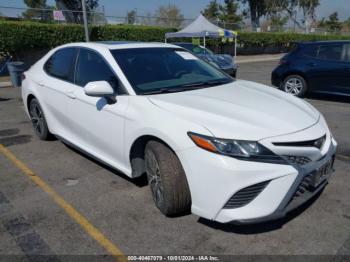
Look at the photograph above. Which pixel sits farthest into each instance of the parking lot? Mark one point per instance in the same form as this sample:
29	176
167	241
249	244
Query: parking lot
55	200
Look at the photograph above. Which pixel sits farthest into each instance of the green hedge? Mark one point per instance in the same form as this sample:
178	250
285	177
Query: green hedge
129	33
263	40
22	36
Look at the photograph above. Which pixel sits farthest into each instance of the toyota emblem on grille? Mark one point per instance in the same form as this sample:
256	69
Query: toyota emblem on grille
319	142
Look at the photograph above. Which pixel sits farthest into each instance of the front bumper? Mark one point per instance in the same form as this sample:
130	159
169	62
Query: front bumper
213	179
291	201
277	77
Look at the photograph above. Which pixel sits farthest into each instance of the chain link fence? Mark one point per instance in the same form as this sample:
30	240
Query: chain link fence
100	17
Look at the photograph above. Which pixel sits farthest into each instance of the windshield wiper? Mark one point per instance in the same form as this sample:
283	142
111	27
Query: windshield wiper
206	83
187	87
165	90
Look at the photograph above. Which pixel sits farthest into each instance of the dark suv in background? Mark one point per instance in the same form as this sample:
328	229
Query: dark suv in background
315	67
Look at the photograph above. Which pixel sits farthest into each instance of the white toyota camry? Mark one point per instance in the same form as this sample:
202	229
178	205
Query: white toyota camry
228	150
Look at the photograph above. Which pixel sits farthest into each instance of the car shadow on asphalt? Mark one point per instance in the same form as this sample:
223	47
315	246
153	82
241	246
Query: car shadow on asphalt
4	99
264	227
138	181
329	97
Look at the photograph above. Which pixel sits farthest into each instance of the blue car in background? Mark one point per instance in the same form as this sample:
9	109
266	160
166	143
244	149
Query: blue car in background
225	62
315	67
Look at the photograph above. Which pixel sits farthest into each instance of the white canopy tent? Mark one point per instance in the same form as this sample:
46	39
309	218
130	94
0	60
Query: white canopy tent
201	27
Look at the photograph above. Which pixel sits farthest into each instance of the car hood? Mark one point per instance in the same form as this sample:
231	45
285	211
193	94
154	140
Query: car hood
240	110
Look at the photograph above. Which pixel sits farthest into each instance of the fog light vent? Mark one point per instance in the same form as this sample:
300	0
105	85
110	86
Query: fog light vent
245	195
298	160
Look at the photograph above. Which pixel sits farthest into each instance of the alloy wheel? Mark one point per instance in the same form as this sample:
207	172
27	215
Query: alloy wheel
293	86
37	118
154	178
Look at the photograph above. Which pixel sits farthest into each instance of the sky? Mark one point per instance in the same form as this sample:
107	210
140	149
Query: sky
190	8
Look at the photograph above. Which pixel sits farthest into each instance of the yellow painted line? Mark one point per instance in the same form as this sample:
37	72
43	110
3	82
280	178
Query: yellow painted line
69	209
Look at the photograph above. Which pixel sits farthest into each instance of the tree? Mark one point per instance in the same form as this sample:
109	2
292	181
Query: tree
169	15
212	11
347	22
278	21
229	14
226	14
346	25
279	12
322	23
308	8
32	13
131	17
309	11
332	23
257	9
76	16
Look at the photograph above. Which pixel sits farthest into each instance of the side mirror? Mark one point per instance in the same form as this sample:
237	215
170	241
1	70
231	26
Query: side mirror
98	89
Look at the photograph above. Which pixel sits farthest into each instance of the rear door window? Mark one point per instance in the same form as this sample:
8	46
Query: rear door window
334	52
61	64
308	50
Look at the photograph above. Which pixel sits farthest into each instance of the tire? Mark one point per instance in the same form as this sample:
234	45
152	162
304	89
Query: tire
38	120
295	85
167	179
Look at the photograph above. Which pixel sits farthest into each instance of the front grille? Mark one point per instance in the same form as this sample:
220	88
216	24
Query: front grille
245	195
318	143
298	160
304	186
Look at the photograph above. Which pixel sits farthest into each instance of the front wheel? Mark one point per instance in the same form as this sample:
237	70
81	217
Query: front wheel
38	120
167	179
295	85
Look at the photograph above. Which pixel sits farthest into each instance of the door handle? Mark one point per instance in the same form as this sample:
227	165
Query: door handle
41	84
71	94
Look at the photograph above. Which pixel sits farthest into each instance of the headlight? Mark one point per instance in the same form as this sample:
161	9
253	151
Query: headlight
240	149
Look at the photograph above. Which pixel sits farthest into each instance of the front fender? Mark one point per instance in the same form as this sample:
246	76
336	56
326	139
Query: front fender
143	118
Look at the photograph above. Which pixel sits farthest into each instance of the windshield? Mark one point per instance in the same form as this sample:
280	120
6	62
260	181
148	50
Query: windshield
160	70
198	50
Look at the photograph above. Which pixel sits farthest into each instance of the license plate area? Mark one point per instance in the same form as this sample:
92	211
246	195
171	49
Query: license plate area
321	174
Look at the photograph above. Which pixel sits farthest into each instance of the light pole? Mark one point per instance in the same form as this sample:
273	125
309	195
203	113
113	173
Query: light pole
85	21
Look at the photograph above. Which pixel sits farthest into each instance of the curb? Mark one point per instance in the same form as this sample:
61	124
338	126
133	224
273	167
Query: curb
5	84
254	60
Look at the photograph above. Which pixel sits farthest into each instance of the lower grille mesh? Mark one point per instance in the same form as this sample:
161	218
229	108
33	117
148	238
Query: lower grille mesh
299	160
303	187
245	195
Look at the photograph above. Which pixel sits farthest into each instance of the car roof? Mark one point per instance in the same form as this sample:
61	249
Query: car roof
119	44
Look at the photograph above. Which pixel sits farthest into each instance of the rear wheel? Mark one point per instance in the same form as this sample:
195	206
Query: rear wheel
167	179
38	120
295	85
